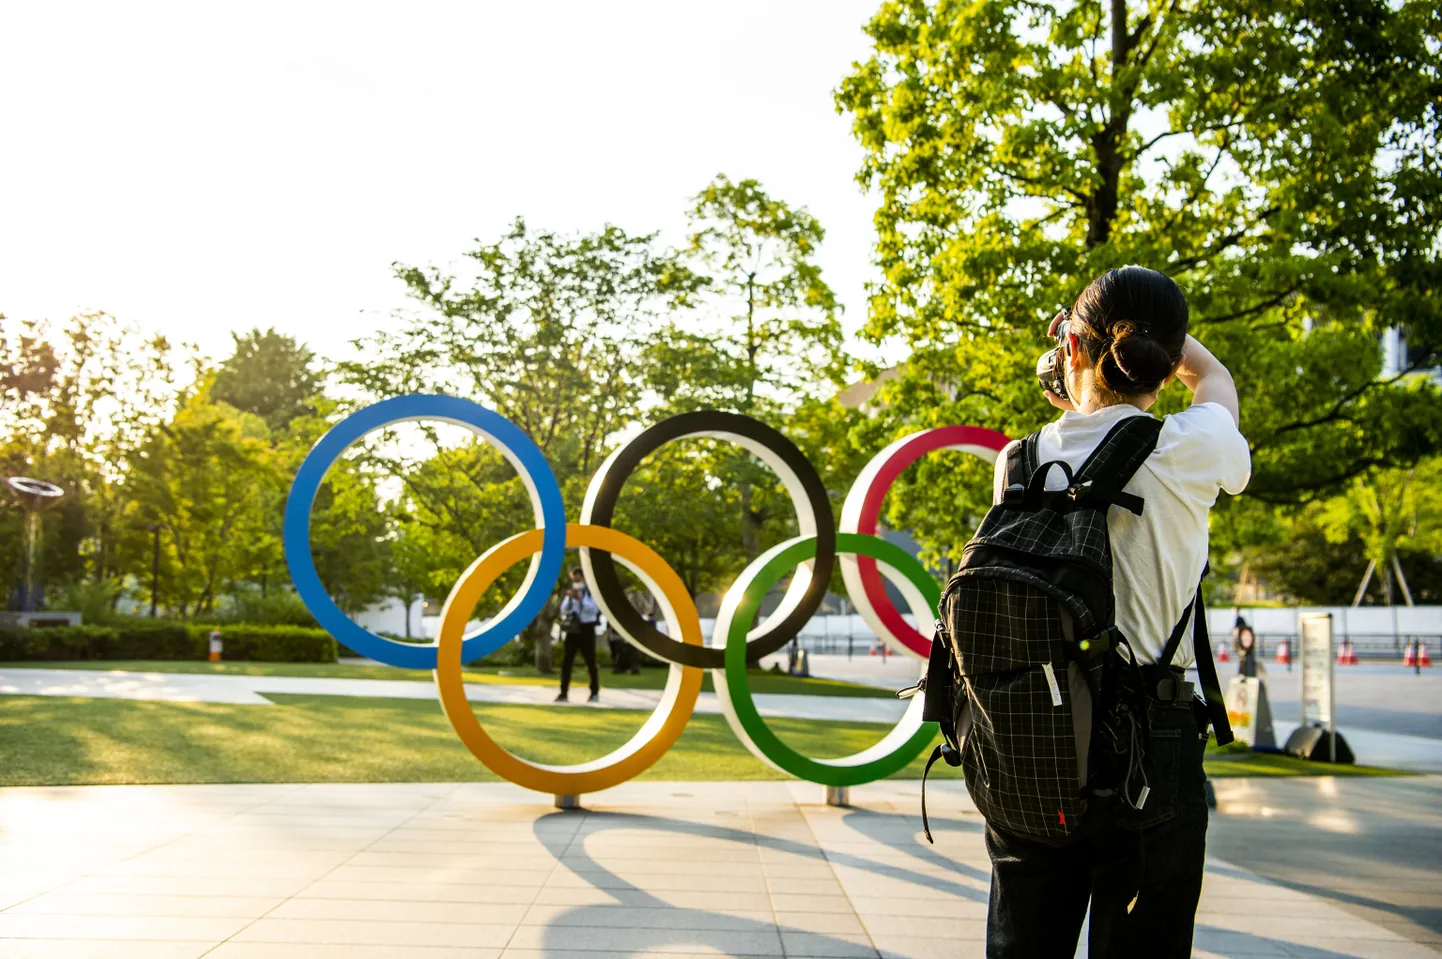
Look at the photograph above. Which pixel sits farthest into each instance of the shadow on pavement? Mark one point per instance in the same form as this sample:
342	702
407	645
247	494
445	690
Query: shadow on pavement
729	934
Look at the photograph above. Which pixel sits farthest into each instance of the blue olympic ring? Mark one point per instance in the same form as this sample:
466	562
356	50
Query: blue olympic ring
514	444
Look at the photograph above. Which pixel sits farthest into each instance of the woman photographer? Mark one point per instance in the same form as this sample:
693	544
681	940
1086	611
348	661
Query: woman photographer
1120	343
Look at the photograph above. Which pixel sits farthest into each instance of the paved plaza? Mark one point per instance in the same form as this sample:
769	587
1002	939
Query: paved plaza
479	871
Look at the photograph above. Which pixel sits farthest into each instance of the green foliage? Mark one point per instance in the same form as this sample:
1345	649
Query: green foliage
209	481
165	641
271	644
763	338
94	599
270	375
1320	553
148	641
1278	161
765	328
247	603
75	397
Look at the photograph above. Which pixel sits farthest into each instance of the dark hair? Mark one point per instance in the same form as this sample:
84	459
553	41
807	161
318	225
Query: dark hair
1133	324
577	571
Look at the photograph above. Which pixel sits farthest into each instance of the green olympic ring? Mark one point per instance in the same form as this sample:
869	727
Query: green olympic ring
906	740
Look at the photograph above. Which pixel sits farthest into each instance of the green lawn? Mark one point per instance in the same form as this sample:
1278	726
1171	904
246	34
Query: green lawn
761	681
58	740
1238	760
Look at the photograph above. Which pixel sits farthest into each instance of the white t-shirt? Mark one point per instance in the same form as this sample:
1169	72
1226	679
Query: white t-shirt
1157	557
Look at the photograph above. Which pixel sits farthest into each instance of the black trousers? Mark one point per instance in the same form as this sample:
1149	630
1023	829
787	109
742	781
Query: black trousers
1040	893
585	641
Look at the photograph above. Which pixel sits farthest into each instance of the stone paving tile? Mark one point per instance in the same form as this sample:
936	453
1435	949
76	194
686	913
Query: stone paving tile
311	950
441	892
805	902
829	923
357	932
935	926
129	904
723	902
660	883
190	886
102	949
465	871
20	926
400	910
666	951
907	947
458	872
758	942
839	945
645	917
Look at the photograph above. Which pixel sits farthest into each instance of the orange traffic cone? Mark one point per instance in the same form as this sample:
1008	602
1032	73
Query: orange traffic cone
1409	655
1351	653
1284	653
1223	654
1423	657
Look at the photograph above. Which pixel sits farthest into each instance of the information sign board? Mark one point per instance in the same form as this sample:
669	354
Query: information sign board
1316	653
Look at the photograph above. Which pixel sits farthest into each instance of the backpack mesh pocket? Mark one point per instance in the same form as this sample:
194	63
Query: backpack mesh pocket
1020	758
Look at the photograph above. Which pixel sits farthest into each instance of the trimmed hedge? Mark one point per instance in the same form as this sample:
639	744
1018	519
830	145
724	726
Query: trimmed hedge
281	644
271	644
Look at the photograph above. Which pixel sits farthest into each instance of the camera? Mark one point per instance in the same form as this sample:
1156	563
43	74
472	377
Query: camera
1051	366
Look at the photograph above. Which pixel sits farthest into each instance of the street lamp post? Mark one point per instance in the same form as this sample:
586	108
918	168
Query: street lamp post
154	569
35	496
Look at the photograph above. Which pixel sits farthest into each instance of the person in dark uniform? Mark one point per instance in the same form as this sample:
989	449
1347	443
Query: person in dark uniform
579	615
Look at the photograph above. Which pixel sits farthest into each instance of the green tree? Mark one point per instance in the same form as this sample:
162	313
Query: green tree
1280	161
270	375
1389	512
207	479
763	334
549	331
75	398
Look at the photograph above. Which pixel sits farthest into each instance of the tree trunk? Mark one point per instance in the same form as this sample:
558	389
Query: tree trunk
1101	206
750	531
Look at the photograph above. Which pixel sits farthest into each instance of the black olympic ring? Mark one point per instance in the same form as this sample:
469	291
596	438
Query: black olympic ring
813	517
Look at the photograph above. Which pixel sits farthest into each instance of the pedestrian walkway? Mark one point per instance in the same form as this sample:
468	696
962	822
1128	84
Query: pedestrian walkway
252	690
488	871
1390	716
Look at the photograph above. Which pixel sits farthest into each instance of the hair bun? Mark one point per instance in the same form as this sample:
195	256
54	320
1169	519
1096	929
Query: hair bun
1131	356
1133	362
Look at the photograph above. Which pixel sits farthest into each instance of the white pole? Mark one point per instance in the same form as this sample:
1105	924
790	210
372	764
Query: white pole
1401	580
1366	578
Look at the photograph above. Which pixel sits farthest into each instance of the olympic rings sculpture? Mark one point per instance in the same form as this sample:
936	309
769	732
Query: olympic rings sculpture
737	639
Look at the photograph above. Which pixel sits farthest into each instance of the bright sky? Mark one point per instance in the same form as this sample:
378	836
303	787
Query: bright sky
199	168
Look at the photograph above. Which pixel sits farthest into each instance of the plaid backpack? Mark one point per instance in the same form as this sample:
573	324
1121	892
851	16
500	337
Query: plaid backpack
1038	695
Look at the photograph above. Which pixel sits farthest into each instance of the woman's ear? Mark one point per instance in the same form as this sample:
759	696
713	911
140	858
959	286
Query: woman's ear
1074	352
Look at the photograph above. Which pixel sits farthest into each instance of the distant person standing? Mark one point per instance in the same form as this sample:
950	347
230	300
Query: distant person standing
1244	644
579	615
1246	650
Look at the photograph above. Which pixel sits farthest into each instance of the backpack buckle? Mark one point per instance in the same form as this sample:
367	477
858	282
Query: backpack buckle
1079	491
1013	495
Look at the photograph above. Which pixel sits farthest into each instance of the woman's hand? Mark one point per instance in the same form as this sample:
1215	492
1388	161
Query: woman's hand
1051	397
1058	402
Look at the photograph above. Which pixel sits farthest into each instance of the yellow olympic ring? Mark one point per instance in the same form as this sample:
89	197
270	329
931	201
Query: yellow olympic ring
651	741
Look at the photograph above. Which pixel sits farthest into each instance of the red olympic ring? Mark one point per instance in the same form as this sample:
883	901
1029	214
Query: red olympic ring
862	511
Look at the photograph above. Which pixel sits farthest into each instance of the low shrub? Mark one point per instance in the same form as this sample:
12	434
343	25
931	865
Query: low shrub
283	644
271	644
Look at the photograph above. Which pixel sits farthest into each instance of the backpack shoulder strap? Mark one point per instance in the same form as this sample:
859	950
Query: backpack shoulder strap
1114	462
1207	671
1169	651
1021	463
1021	460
